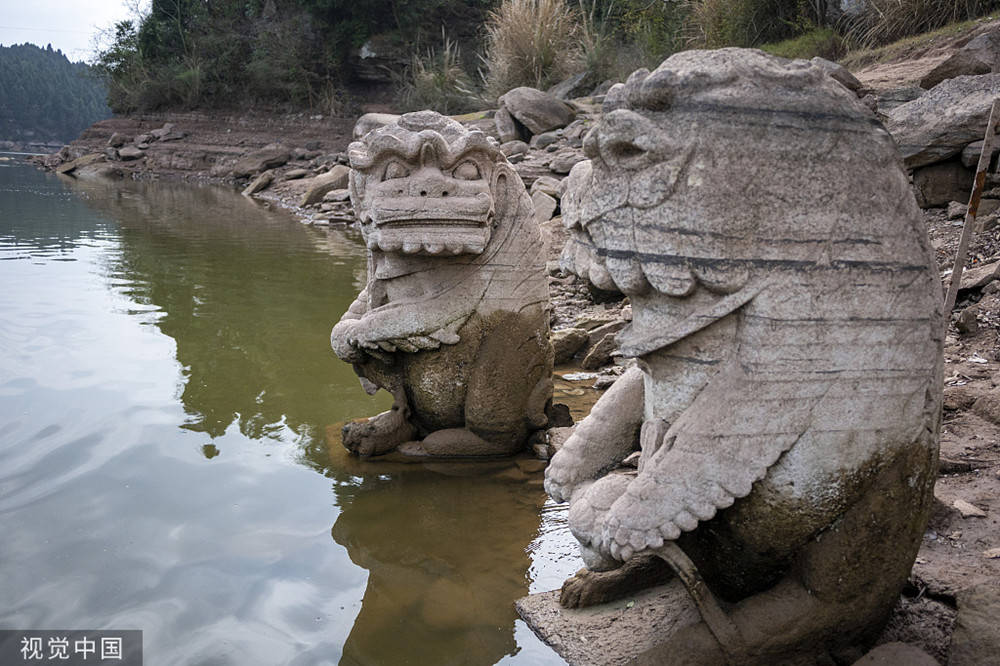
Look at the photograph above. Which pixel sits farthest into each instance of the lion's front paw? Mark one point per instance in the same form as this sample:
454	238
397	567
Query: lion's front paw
562	475
343	340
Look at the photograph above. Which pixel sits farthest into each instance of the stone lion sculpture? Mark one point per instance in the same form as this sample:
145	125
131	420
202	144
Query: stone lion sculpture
787	331
454	319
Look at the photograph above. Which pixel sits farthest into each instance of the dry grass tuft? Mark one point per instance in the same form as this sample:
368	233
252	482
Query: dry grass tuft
531	43
437	81
883	21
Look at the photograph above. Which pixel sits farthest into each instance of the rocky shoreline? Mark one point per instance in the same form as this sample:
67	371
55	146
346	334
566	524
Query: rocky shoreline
298	162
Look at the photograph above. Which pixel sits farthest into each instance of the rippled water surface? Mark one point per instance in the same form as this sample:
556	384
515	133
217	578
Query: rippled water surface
166	394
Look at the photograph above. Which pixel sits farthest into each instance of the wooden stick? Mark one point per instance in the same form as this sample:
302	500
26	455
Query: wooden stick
970	214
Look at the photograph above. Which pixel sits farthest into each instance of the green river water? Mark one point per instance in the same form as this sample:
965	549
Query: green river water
167	400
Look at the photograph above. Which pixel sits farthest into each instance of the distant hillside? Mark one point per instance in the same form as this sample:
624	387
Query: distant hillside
46	98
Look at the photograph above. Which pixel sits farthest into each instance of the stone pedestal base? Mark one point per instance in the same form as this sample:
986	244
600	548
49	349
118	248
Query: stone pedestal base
613	633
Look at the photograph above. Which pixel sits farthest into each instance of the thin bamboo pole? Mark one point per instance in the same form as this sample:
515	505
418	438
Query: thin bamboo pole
970	214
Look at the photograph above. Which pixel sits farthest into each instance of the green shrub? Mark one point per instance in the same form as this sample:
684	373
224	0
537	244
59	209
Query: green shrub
883	21
655	29
531	43
437	81
618	37
822	42
717	23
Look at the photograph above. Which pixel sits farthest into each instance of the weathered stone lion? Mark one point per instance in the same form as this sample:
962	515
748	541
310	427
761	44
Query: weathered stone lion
454	319
788	330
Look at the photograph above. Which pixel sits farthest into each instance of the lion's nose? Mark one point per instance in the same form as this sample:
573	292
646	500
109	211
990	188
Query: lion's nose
428	182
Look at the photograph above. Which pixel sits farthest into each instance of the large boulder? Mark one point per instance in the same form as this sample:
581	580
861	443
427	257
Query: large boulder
574	86
980	56
268	157
942	122
537	111
506	127
940	184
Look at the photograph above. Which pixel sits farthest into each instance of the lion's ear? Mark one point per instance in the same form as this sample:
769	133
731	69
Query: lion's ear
504	185
356	185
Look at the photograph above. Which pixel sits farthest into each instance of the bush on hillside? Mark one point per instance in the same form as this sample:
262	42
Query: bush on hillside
531	43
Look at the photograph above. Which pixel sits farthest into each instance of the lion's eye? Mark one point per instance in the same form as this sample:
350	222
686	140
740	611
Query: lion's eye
395	170
467	170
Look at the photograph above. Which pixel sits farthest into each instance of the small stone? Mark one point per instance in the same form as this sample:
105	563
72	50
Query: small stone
337	195
542	451
558	436
632	459
335	179
956	210
597	334
627	313
128	153
259	183
600	354
546	184
992	554
980	276
987	207
268	157
987	406
567	342
516	147
545	206
967	324
968	510
594	320
604	382
563	162
541	141
559	416
295	174
117	140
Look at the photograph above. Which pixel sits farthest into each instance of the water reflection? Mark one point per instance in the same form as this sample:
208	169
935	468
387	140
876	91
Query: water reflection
446	548
250	306
148	383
